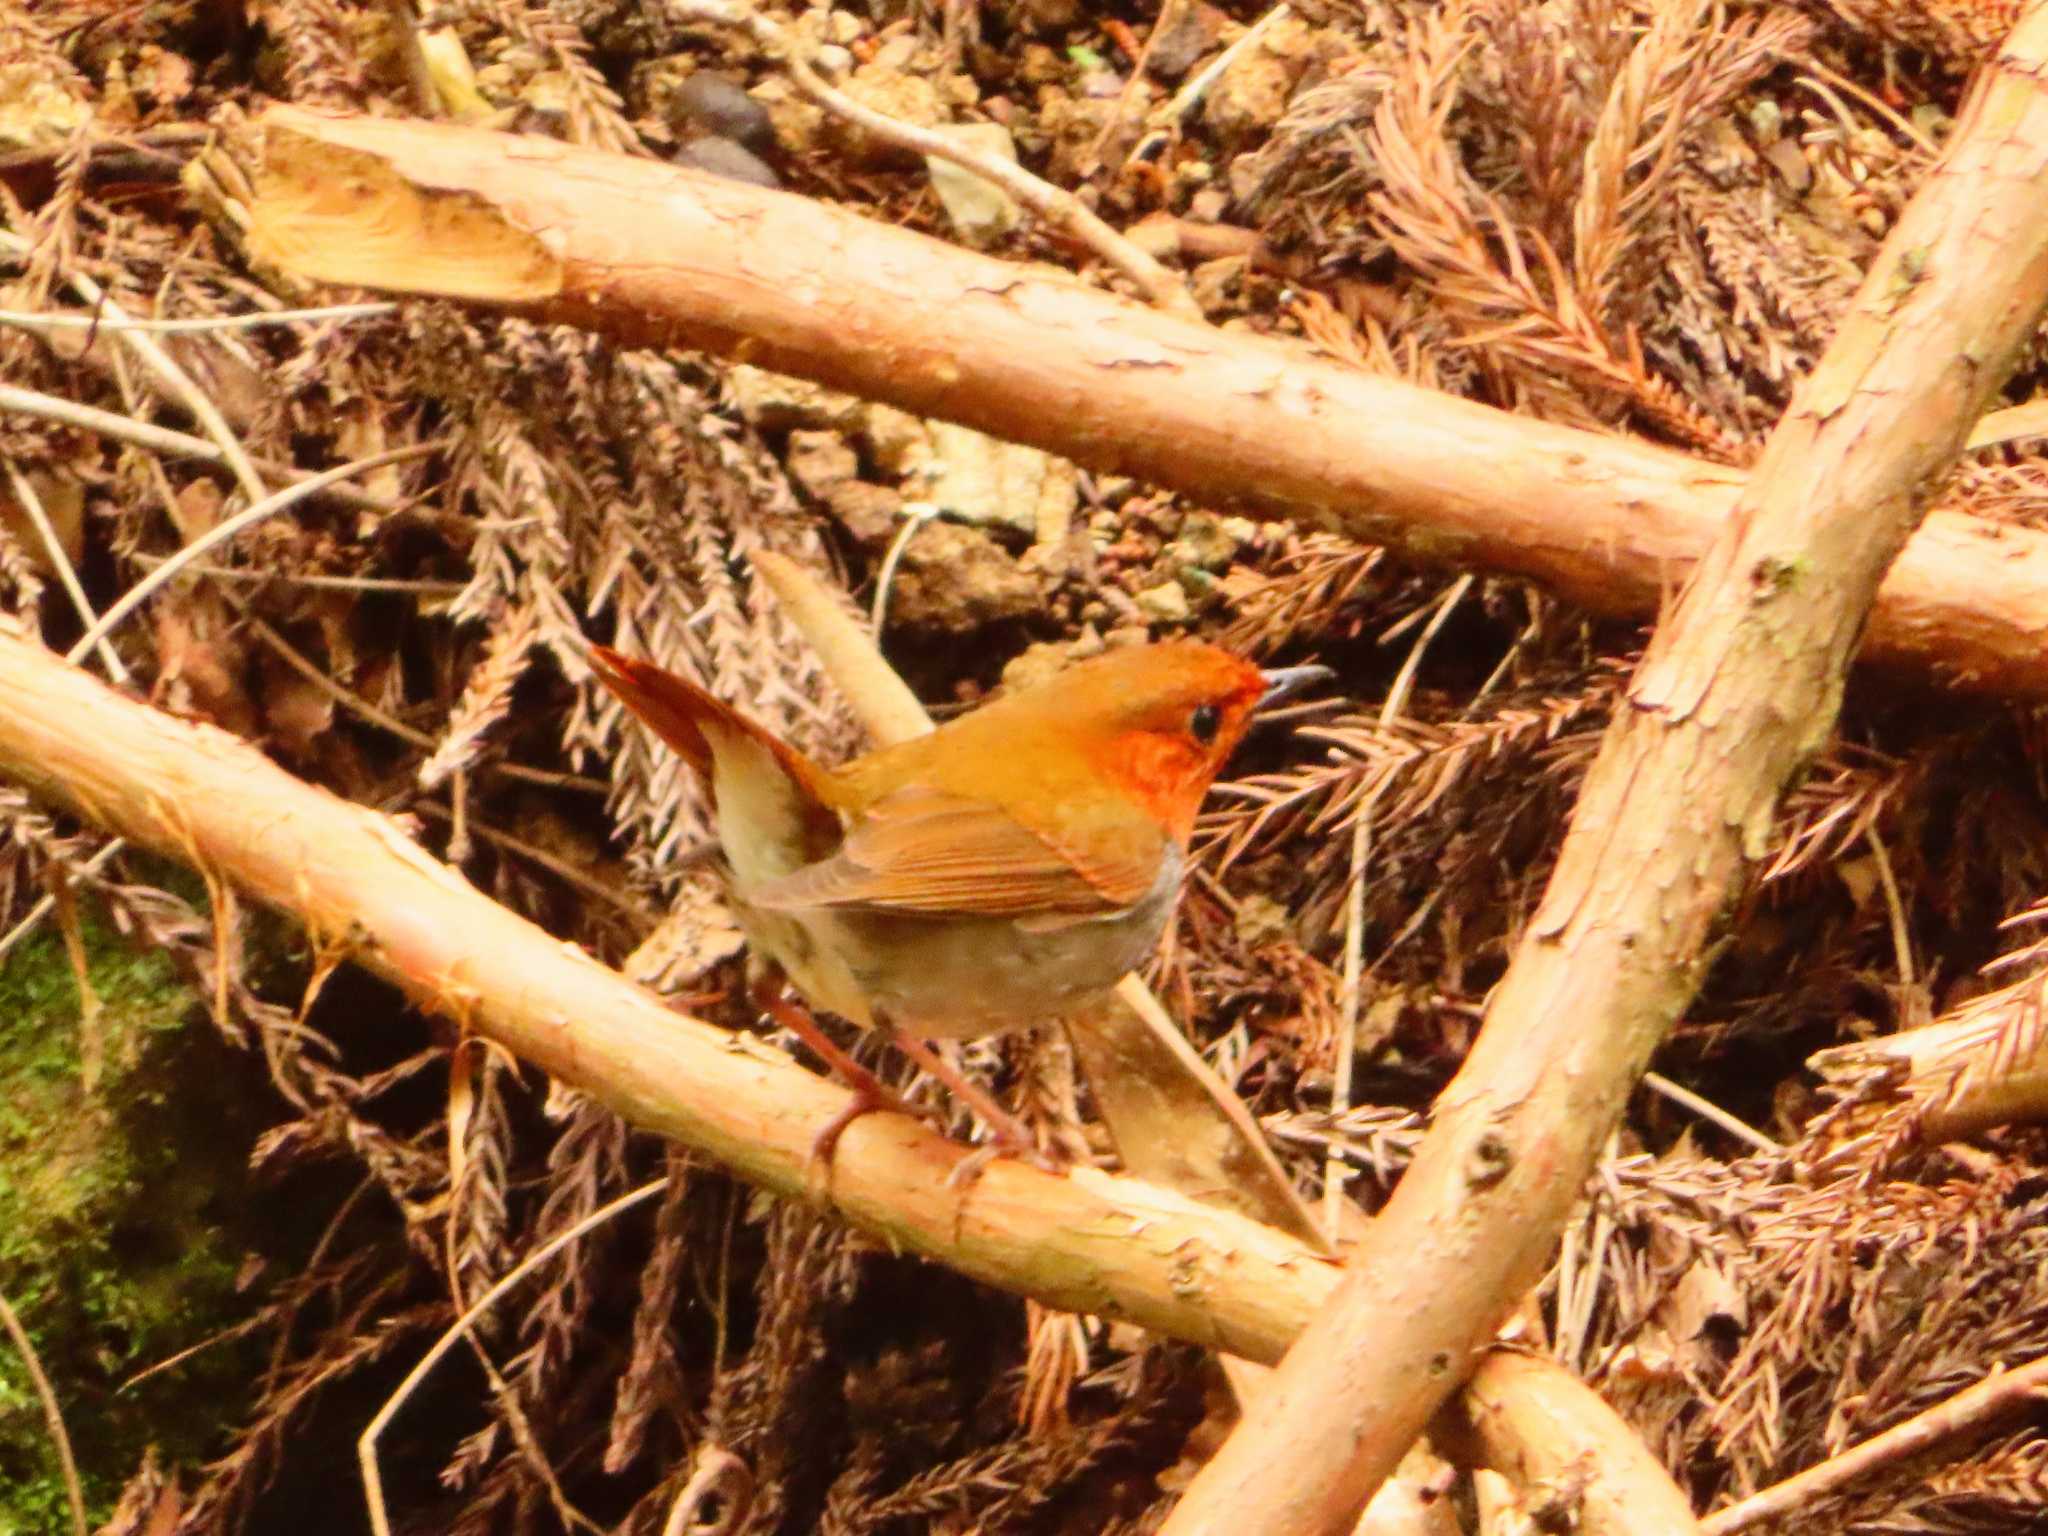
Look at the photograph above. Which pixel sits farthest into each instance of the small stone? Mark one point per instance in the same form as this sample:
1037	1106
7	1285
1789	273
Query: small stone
1260	920
1043	16
1046	660
896	54
981	212
1204	543
35	110
1190	32
1789	160
981	479
819	461
722	157
899	443
774	401
1039	65
1253	92
1932	121
832	61
844	28
871	514
1166	603
796	120
954	580
709	103
906	97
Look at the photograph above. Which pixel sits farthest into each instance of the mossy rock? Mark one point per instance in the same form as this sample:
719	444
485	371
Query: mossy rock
123	1149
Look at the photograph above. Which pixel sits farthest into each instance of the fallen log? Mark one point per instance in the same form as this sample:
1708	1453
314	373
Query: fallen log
651	254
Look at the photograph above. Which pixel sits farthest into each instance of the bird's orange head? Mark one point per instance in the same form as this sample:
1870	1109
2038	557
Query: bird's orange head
1158	720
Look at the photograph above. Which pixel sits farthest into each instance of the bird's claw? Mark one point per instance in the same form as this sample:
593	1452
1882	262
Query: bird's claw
970	1168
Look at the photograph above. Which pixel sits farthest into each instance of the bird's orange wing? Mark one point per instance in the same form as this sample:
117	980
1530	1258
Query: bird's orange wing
928	851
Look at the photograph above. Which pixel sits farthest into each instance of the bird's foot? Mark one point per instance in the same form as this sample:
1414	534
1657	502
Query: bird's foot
869	1097
969	1169
870	1094
1011	1137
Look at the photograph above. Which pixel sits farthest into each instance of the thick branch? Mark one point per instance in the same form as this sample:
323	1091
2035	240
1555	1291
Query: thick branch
1740	686
1980	1065
1087	1242
653	254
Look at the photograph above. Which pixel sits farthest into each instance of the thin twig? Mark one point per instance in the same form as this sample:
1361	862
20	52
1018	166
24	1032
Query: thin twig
48	904
143	434
361	707
1840	82
176	383
915	516
31	321
323	580
716	1469
32	505
221	533
1190	95
366	1443
1354	906
1711	1112
1054	206
561	869
2001	1393
1895	908
53	1415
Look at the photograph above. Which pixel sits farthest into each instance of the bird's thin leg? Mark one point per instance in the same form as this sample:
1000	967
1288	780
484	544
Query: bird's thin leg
869	1092
1011	1134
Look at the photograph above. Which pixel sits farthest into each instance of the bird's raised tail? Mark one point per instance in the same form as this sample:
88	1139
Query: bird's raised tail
692	722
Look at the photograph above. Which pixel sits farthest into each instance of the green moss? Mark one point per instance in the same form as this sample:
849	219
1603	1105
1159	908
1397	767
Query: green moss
119	1149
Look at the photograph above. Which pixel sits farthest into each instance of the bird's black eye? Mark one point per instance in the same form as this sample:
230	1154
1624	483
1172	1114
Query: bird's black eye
1205	722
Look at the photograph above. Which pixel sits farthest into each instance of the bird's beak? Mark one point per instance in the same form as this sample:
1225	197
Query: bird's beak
1283	683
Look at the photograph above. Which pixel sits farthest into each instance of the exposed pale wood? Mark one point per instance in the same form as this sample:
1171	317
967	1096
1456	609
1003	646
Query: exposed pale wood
1980	1065
1556	1439
650	253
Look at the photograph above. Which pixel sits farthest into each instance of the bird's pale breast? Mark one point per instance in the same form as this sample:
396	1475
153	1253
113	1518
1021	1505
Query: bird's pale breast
955	977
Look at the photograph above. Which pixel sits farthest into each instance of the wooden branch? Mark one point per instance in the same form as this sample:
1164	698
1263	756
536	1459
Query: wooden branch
1982	1064
1740	686
1087	1242
1972	1409
1556	1439
653	254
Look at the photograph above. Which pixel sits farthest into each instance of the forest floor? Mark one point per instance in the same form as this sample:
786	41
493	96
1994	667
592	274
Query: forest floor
1638	219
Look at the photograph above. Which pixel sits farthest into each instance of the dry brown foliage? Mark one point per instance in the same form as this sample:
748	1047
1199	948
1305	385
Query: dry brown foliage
1636	216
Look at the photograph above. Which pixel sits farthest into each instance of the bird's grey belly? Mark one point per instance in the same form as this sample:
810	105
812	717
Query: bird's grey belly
957	977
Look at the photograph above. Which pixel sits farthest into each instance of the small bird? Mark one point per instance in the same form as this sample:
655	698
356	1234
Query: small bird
1008	867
